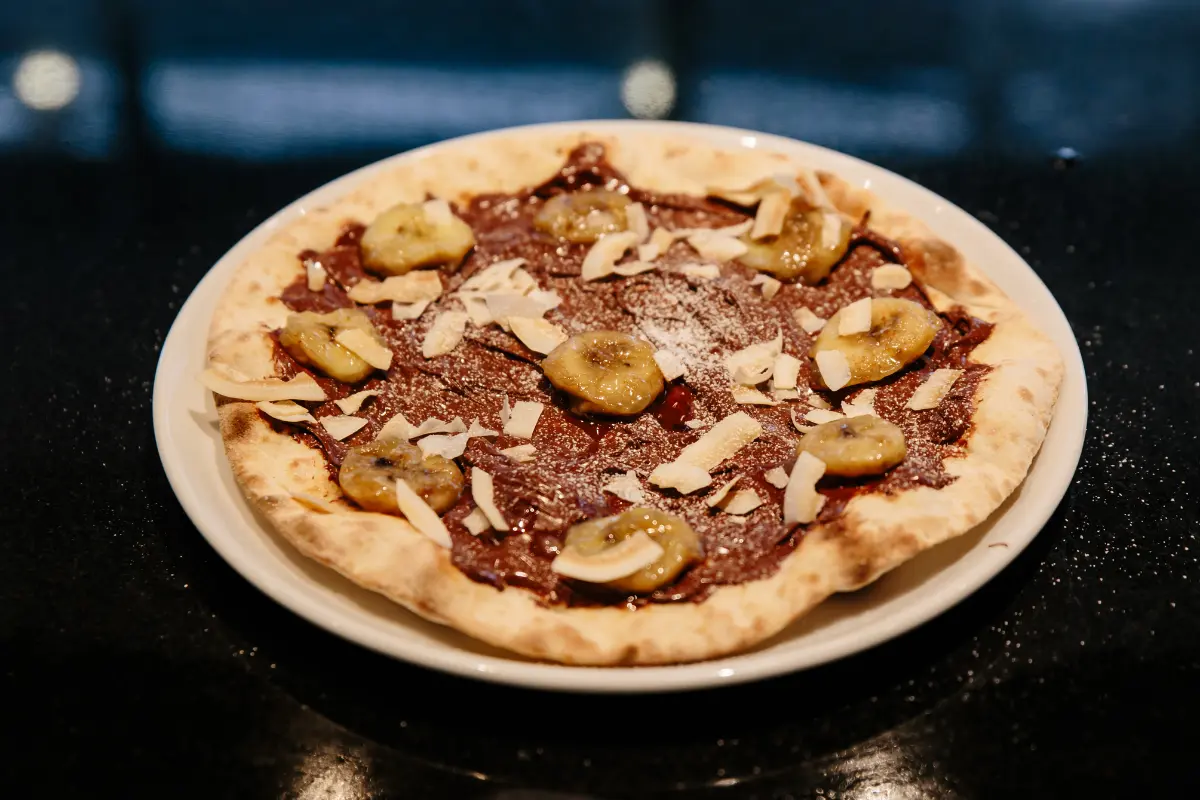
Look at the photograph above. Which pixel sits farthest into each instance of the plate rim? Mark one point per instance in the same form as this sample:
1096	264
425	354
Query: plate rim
756	665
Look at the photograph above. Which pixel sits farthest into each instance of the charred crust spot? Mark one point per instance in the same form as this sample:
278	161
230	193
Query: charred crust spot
240	423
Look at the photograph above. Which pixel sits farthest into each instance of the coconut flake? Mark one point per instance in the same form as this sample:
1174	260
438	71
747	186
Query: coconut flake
476	522
477	309
743	502
683	478
689	471
772	211
521	453
716	497
752	365
855	318
807	320
502	307
523	419
420	515
713	246
933	391
301	387
749	396
627	487
496	277
705	272
863	404
813	189
785	394
776	477
635	216
835	369
537	334
631	268
803	428
435	425
889	277
411	287
315	274
478	430
450	447
286	411
409	311
770	286
437	212
342	427
397	428
351	404
695	424
505	412
820	416
785	371
605	253
816	401
660	242
483	493
445	333
801	500
626	557
365	346
831	230
670	364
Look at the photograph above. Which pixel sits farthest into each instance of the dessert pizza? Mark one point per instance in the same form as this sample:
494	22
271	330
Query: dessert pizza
619	399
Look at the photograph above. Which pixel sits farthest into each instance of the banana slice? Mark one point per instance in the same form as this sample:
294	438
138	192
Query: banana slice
856	446
369	473
409	236
900	332
309	338
681	546
811	242
583	217
605	372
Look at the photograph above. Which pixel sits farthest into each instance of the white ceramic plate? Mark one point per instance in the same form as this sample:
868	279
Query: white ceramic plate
194	460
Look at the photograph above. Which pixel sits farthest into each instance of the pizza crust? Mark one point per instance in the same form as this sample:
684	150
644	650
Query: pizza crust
383	553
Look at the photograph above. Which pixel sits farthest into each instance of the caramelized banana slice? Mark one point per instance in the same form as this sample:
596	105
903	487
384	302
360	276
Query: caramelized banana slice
309	338
681	546
811	242
414	235
583	217
605	372
369	472
901	331
865	445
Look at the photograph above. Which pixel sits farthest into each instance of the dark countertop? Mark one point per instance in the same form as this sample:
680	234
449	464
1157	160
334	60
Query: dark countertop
134	660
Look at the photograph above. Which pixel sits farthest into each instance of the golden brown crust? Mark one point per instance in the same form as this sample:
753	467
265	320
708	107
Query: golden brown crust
383	553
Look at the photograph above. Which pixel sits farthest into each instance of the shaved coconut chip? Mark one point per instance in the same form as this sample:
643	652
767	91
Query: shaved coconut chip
695	424
776	477
779	182
803	428
855	318
627	487
715	247
619	561
437	212
445	333
435	425
301	387
420	515
669	364
890	276
605	253
478	430
342	427
733	231
743	502
411	287
483	493
807	320
286	411
661	241
831	230
537	334
365	346
505	412
749	396
450	447
315	275
863	404
315	503
835	369
477	310
635	216
523	419
351	404
647	252
683	478
820	416
493	277
409	310
503	308
785	394
816	401
706	272
933	391
522	453
476	522
801	501
397	428
752	365
716	497
770	286
785	371
631	268
814	189
772	211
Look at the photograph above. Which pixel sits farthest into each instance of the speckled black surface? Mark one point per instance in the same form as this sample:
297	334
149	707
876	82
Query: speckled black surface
133	660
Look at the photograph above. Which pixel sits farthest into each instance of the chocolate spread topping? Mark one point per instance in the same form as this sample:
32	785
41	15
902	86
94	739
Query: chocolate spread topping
703	319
